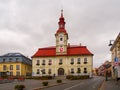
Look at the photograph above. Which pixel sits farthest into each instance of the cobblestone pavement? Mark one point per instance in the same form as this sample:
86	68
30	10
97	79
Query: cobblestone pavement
29	83
112	85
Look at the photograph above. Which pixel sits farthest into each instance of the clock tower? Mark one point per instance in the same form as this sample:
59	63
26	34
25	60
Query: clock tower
61	37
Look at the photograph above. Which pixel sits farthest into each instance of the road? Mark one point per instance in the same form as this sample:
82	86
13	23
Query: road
87	84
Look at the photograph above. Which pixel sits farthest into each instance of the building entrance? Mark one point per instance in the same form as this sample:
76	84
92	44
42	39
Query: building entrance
60	71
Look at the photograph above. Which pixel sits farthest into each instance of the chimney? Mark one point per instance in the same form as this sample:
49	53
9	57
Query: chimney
68	44
80	44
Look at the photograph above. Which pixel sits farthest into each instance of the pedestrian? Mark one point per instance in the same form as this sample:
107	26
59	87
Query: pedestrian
54	75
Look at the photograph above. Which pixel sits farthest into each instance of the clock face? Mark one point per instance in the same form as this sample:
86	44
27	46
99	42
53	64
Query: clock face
61	49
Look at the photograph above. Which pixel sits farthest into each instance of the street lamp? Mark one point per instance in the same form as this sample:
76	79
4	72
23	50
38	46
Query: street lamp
110	44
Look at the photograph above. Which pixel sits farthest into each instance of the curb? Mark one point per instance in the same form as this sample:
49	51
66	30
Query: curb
102	85
48	86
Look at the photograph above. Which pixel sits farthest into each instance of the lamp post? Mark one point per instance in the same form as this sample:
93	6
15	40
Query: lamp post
106	76
111	42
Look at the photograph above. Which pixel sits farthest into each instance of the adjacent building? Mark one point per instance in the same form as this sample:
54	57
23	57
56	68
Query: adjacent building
104	69
115	57
63	58
15	64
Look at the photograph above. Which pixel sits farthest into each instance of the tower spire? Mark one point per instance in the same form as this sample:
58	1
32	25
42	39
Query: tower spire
61	12
61	21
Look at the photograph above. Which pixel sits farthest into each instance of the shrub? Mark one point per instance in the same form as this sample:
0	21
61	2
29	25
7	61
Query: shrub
19	87
45	83
77	77
46	77
59	81
69	76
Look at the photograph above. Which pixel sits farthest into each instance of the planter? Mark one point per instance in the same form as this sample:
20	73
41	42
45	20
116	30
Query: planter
59	81
45	83
19	87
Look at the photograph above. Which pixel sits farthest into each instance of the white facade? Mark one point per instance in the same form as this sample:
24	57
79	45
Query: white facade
66	65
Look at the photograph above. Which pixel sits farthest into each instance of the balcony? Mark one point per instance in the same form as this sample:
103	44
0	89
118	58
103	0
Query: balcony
60	63
49	63
43	63
38	73
72	72
85	62
78	71
72	63
85	71
37	64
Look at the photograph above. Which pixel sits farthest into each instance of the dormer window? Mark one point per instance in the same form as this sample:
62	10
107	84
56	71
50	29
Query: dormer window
10	59
3	59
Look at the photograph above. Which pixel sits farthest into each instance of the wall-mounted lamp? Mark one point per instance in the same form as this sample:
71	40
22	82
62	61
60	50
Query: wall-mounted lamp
111	42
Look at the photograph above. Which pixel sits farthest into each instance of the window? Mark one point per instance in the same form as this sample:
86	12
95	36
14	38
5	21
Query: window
3	59
50	62
72	60
60	62
4	67
10	59
61	39
78	62
78	70
11	73
85	60
38	71
11	67
38	62
85	70
17	59
72	70
43	71
49	71
43	62
17	67
17	73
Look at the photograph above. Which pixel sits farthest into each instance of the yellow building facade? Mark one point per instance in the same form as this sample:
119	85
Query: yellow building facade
15	64
115	57
62	59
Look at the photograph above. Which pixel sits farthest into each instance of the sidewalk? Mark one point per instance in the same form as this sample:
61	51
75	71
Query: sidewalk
30	84
110	85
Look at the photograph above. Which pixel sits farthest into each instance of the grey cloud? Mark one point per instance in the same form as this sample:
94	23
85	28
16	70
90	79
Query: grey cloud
90	22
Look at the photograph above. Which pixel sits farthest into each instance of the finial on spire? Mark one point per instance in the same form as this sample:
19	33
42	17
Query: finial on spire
62	13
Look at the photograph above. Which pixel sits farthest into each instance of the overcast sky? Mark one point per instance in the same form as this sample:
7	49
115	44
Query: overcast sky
26	25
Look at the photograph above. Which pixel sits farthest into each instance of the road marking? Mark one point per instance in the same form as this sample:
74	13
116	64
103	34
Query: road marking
73	86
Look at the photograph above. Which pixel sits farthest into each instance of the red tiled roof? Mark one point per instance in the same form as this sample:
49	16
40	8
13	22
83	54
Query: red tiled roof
61	30
71	50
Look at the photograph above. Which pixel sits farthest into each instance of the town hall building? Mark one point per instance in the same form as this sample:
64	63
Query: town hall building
63	58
